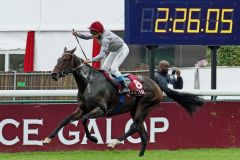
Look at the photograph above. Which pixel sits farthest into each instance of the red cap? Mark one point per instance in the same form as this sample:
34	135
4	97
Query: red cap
97	26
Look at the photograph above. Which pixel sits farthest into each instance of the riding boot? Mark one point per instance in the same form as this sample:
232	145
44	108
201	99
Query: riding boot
124	88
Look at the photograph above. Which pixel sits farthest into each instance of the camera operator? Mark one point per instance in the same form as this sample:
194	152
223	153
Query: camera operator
162	77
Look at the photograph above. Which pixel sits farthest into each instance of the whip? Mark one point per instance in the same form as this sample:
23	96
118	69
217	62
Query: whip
80	46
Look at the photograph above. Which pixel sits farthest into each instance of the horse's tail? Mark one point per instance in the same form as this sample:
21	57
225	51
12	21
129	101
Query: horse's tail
190	102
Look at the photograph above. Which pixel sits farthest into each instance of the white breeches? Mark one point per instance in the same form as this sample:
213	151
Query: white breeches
115	59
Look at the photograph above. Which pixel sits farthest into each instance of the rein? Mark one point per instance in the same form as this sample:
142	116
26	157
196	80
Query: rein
65	72
74	69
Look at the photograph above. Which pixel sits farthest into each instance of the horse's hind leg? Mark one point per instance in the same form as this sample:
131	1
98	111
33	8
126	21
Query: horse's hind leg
141	130
144	137
137	126
77	114
139	116
132	130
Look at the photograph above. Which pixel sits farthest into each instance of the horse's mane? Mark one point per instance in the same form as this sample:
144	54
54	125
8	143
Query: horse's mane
82	61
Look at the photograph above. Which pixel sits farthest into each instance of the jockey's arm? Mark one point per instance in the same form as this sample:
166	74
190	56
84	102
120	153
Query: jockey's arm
103	51
85	36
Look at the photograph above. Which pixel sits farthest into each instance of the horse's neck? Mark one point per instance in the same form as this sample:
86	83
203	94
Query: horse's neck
81	81
83	76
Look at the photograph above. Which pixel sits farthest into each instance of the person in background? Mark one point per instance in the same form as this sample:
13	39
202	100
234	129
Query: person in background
162	78
112	46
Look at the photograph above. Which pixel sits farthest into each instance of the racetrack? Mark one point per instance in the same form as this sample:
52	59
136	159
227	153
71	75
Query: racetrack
186	154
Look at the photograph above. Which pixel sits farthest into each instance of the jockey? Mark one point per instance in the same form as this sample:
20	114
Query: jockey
112	44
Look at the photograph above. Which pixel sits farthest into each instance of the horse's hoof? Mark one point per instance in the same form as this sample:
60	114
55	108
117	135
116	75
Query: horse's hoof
114	143
47	140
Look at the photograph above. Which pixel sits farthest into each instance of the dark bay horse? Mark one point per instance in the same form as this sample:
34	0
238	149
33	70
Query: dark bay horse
98	97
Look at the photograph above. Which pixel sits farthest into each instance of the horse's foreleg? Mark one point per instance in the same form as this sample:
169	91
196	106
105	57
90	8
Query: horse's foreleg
97	112
60	126
74	116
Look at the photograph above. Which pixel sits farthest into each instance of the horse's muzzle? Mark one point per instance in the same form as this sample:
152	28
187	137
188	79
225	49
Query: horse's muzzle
55	76
58	75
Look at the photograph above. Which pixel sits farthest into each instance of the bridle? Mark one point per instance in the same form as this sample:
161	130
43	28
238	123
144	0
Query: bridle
64	72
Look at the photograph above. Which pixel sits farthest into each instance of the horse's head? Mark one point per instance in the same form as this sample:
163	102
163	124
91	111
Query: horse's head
65	64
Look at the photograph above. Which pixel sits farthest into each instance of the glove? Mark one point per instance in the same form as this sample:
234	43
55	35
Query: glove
74	33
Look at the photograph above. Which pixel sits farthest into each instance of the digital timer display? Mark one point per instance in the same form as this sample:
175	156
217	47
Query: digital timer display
190	20
183	22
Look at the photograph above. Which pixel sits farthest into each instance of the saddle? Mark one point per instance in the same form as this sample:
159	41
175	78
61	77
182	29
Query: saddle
134	85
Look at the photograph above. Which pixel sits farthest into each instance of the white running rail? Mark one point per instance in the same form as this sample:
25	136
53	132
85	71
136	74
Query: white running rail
69	93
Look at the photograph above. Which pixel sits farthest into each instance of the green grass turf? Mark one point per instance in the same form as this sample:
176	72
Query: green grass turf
185	154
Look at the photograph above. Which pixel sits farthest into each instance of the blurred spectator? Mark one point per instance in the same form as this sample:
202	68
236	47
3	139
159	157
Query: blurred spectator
162	78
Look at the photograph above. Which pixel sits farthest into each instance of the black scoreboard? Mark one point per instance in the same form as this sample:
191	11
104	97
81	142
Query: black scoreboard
182	22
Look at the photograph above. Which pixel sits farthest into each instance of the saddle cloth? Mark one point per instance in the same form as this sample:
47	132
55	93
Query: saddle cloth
134	85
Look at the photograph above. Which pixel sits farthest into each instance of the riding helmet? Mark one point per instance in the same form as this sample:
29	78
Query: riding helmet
97	26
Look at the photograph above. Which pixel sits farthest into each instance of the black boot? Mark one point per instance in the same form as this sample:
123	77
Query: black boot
124	88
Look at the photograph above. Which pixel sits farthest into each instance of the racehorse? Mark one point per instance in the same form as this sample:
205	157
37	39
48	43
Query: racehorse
98	97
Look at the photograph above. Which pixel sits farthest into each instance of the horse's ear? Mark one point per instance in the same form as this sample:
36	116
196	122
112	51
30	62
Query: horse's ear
65	49
73	50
